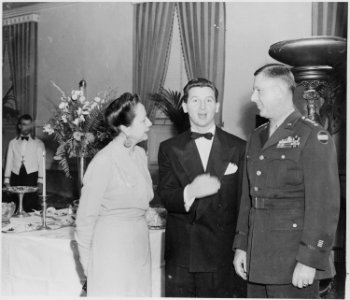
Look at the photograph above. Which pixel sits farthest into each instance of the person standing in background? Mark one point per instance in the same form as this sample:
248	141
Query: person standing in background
290	196
24	162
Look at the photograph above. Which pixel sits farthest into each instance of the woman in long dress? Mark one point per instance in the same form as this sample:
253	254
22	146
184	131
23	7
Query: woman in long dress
111	230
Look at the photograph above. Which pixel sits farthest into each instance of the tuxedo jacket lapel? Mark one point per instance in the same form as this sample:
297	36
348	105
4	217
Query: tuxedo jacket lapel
219	159
189	158
220	155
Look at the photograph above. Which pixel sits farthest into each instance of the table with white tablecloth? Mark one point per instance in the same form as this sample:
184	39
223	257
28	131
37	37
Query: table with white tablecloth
46	263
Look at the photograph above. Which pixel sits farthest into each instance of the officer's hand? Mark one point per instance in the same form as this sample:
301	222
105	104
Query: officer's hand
240	263
202	186
40	188
7	184
303	275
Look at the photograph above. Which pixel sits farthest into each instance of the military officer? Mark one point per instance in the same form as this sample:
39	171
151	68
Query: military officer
290	196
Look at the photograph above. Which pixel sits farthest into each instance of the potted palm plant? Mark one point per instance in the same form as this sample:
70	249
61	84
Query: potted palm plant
170	103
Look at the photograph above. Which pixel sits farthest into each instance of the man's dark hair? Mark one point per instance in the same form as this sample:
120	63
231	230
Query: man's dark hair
199	82
25	117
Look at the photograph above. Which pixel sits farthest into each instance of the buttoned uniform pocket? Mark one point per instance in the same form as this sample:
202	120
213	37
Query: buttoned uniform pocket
284	168
285	220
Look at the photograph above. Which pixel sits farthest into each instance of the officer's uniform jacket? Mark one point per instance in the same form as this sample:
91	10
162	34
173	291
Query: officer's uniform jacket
31	157
290	201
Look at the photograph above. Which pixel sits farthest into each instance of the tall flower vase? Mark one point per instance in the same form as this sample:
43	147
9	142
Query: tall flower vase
81	167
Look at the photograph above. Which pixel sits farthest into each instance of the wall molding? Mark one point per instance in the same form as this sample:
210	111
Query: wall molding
21	19
34	8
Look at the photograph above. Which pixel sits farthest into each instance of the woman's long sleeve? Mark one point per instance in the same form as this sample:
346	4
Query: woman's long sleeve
95	182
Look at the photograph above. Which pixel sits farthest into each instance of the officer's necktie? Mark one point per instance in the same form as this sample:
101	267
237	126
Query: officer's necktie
196	135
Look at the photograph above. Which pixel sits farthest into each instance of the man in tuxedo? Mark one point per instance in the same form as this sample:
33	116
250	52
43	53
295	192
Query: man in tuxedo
290	196
200	174
24	162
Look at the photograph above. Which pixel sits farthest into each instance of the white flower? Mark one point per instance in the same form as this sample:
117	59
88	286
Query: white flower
90	137
64	118
57	157
79	111
77	135
82	99
63	105
75	94
76	121
48	129
93	105
97	99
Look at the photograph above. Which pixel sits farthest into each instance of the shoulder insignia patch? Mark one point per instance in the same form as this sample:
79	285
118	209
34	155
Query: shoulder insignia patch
322	137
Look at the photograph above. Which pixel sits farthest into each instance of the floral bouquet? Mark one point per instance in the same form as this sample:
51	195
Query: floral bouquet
78	126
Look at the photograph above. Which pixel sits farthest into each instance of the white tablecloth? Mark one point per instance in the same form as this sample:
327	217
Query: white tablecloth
45	263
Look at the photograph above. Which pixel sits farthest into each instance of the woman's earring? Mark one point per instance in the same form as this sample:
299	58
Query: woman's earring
127	142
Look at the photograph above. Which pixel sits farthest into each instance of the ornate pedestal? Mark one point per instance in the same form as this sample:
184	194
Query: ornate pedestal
315	61
319	65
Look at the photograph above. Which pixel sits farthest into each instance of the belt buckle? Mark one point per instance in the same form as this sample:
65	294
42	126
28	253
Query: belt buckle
259	203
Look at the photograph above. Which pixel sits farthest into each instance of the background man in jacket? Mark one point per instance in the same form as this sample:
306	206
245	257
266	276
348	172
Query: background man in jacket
24	162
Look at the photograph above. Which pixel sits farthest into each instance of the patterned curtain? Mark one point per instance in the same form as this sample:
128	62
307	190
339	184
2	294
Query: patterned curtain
202	28
153	24
22	45
330	18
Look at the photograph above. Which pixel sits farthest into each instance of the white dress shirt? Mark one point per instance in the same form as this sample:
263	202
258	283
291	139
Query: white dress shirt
204	147
30	153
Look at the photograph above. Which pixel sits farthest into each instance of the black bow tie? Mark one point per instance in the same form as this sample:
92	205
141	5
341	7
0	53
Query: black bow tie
25	138
196	135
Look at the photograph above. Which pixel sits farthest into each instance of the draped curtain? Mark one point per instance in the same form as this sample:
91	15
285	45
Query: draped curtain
153	24
330	18
21	45
202	28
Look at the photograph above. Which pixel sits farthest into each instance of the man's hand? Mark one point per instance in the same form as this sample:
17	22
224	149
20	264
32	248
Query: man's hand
7	184
202	186
240	263
303	275
40	188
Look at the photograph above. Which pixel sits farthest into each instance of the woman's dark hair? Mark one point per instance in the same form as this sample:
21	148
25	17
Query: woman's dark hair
121	112
199	82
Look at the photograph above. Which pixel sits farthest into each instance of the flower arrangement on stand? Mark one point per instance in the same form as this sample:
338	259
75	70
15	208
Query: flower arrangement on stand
79	128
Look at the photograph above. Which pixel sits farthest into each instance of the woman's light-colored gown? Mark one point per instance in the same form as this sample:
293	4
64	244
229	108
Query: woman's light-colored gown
111	229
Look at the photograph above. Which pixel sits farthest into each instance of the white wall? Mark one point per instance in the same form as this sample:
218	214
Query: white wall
251	28
83	40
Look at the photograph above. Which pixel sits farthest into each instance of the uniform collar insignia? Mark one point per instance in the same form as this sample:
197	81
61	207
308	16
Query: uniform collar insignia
289	142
